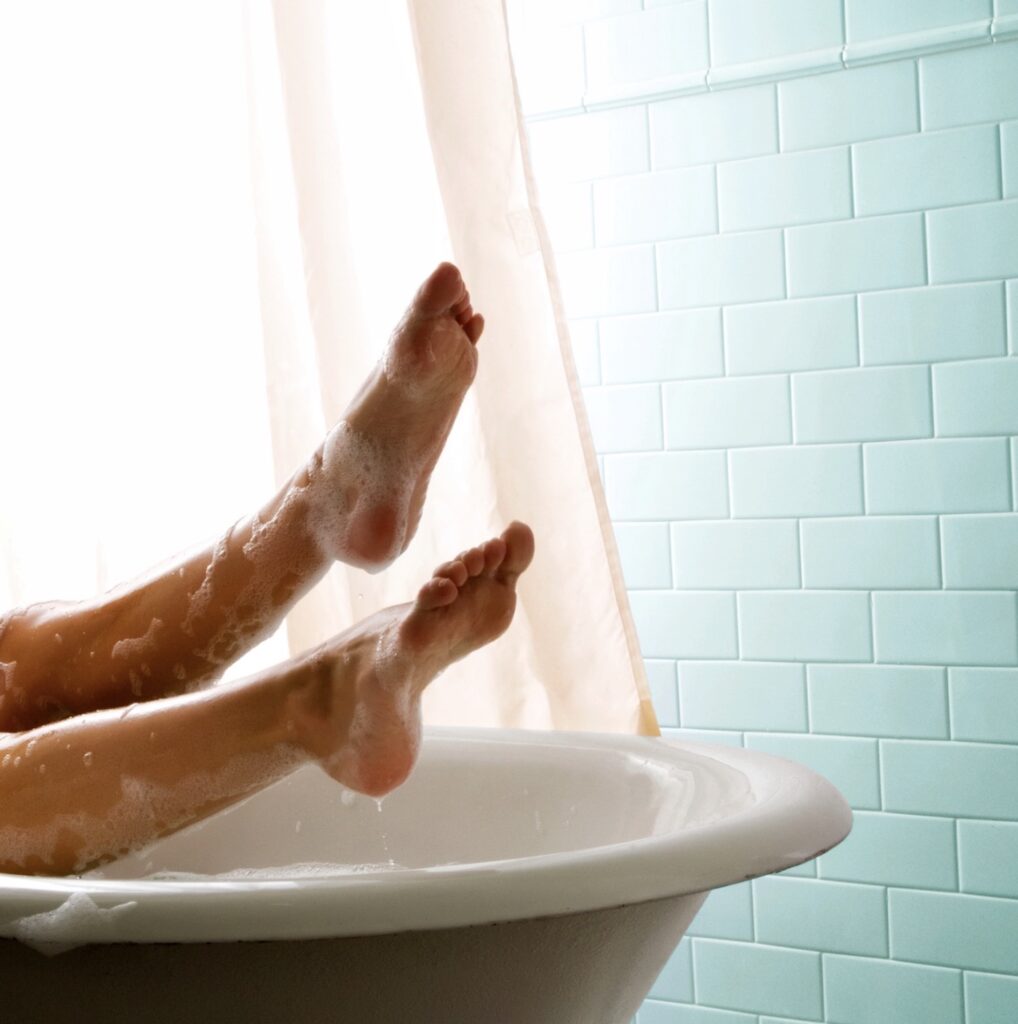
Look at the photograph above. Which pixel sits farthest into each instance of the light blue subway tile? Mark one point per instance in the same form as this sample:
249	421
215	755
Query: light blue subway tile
583	335
1012	309
589	145
966	86
981	552
862	405
773	337
646	45
655	207
676	978
712	736
747	30
988	857
807	870
1005	7
568	214
793	188
664	1013
976	932
719	269
725	125
804	626
936	476
740	976
917	172
604	282
856	255
726	914
625	418
727	413
973	780
877	700
539	13
990	998
877	19
834	917
549	67
687	625
849	763
945	628
895	849
662	346
977	398
984	704
661	679
735	555
812	481
1009	157
973	243
645	554
930	324
667	485
848	106
1014	470
870	553
863	991
781	1020
742	695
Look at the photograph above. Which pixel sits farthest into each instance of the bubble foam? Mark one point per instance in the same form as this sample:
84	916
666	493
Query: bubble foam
78	921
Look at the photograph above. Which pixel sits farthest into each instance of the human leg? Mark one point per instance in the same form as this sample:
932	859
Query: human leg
358	499
85	790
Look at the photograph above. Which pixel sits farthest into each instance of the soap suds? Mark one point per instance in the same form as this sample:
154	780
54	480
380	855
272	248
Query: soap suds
138	645
78	921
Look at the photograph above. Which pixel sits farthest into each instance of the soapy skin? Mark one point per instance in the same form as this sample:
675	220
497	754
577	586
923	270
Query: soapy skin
108	739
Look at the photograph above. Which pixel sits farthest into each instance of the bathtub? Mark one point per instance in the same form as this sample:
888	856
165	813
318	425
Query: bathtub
516	878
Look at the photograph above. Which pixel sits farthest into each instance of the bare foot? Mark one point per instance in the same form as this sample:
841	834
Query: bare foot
369	478
369	740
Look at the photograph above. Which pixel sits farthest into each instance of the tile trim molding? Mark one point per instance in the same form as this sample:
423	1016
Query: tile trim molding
794	65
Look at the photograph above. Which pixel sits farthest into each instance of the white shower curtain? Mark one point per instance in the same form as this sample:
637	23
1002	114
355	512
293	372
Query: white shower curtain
289	173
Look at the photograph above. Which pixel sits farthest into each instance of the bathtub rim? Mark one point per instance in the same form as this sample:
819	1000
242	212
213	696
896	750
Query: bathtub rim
798	815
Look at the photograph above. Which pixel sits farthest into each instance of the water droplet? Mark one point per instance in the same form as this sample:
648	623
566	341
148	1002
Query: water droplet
29	748
17	761
87	759
6	761
42	769
152	737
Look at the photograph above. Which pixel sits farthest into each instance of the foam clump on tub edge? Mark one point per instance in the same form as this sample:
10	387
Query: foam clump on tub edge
78	921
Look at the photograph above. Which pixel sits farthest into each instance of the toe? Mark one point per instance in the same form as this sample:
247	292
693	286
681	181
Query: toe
494	553
474	561
441	291
436	593
454	570
473	327
519	543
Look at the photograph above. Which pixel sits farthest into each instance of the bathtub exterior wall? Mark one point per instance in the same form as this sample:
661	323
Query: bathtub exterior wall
794	302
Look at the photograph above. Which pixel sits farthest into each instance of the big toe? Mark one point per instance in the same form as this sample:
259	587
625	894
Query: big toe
443	289
519	543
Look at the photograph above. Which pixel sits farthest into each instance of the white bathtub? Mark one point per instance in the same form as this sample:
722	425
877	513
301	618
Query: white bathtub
537	877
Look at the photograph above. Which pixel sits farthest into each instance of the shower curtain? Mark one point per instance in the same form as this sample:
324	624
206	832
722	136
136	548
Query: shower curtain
379	138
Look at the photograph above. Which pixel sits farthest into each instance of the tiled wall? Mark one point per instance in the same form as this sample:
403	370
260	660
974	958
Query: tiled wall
795	312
